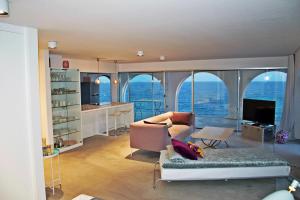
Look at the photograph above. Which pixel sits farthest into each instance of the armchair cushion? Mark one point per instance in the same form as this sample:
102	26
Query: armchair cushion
184	118
158	123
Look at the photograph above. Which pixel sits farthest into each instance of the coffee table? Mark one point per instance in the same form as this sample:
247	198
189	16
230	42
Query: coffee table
215	135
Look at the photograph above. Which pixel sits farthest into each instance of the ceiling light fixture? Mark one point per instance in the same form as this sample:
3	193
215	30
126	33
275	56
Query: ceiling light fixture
140	53
97	81
3	7
162	58
116	80
51	44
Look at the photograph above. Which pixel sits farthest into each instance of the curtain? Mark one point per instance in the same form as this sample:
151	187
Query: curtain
288	118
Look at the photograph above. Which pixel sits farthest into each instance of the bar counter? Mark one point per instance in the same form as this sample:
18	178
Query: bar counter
96	119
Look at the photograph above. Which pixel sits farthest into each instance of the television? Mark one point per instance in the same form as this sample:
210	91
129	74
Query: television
259	111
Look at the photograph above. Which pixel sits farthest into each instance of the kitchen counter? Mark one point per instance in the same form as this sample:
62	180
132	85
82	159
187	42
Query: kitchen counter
96	119
88	107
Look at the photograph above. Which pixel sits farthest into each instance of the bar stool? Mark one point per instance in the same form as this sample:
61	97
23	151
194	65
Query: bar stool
115	115
125	115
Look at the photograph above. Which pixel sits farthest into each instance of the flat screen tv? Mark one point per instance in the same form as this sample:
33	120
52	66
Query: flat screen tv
259	111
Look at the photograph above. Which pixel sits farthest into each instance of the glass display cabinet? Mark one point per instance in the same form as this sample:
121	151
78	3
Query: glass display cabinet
66	108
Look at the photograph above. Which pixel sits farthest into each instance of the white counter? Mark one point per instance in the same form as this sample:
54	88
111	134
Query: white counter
96	120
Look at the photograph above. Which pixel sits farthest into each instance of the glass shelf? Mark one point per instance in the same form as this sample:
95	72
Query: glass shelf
66	106
65	93
61	81
56	123
64	134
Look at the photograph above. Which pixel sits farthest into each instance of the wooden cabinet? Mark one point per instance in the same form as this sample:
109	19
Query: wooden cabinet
258	133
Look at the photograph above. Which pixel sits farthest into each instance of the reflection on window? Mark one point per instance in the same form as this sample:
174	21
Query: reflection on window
268	86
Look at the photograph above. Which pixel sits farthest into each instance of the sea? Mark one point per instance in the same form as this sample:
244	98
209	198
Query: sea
211	98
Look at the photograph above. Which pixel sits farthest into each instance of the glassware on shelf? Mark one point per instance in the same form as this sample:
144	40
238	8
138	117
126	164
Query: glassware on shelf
66	112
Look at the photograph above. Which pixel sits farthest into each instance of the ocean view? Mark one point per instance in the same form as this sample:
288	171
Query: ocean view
211	98
214	103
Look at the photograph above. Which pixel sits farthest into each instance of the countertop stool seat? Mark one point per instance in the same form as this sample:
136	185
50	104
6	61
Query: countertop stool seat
116	115
125	116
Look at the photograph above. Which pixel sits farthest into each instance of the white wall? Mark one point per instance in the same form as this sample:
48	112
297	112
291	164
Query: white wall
215	64
45	96
297	94
21	169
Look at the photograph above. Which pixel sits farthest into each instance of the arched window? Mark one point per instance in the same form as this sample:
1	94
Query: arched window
184	95
104	90
210	99
147	94
268	86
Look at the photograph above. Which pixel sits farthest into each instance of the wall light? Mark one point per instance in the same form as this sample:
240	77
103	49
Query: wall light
116	81
3	7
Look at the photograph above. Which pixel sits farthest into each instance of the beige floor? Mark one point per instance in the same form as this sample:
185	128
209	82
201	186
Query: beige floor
103	168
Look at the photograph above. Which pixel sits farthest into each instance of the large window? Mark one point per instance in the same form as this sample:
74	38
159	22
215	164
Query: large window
215	104
146	91
268	86
210	100
218	94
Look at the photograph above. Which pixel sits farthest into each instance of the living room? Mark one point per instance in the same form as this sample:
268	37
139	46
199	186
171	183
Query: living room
103	93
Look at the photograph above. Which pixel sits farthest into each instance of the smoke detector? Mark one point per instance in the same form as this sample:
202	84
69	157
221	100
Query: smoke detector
52	44
140	53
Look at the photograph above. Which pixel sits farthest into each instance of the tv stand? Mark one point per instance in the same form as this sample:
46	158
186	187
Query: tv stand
258	132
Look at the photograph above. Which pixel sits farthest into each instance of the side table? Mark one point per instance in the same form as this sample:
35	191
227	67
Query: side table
54	180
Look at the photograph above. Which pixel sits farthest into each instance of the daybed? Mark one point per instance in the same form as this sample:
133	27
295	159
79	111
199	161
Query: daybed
155	137
225	164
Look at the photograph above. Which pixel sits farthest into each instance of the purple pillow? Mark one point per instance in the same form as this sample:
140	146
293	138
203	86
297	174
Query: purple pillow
184	150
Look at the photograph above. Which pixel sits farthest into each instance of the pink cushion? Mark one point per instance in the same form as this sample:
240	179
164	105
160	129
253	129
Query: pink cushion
184	150
181	118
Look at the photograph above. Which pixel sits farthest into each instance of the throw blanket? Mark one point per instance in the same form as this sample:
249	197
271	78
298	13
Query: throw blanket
218	158
174	156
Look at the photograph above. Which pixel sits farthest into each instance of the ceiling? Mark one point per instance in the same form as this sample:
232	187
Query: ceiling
177	29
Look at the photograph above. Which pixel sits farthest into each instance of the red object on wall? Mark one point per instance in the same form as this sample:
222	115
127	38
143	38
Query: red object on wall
65	64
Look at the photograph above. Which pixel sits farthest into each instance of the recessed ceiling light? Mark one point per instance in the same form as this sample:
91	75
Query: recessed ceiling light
140	53
162	58
52	44
3	7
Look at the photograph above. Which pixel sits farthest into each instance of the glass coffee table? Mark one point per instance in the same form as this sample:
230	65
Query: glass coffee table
213	136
